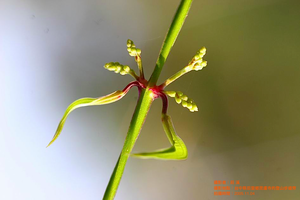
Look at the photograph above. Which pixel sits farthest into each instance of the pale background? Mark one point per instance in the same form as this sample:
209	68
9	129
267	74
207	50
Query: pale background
247	127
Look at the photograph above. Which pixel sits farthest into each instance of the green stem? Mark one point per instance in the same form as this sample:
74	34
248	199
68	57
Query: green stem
170	39
145	100
139	116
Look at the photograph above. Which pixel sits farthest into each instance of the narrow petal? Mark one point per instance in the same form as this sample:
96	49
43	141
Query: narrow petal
178	151
86	102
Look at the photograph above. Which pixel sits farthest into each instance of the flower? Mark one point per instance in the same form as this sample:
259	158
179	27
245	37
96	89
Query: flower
178	150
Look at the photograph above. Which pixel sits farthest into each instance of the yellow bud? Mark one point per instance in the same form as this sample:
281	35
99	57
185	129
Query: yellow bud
123	72
184	97
203	50
204	63
129	43
178	100
126	68
195	108
112	68
171	93
118	69
179	93
106	65
197	66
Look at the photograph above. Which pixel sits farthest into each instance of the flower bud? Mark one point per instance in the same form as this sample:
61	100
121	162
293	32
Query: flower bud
126	68
171	93
177	99
183	99
117	68
204	63
132	50
203	50
197	62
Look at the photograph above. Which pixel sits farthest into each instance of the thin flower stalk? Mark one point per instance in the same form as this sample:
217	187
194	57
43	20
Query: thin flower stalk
197	63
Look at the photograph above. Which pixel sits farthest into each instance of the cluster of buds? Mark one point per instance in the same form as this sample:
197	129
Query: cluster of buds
118	68
197	62
183	99
132	50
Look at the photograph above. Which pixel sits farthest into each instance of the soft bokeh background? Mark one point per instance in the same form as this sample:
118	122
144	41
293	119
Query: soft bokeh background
247	127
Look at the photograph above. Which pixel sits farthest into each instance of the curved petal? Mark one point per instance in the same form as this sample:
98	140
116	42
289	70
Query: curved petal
178	151
86	102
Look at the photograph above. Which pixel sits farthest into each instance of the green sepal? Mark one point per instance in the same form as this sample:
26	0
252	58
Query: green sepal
178	151
86	102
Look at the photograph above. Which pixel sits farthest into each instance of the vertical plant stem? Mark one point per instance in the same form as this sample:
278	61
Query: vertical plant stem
145	100
135	127
170	38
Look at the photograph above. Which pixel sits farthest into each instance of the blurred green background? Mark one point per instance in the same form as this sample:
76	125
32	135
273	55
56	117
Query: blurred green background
247	127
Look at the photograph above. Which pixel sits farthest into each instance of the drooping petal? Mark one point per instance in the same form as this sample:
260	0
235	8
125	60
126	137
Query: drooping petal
86	102
178	151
